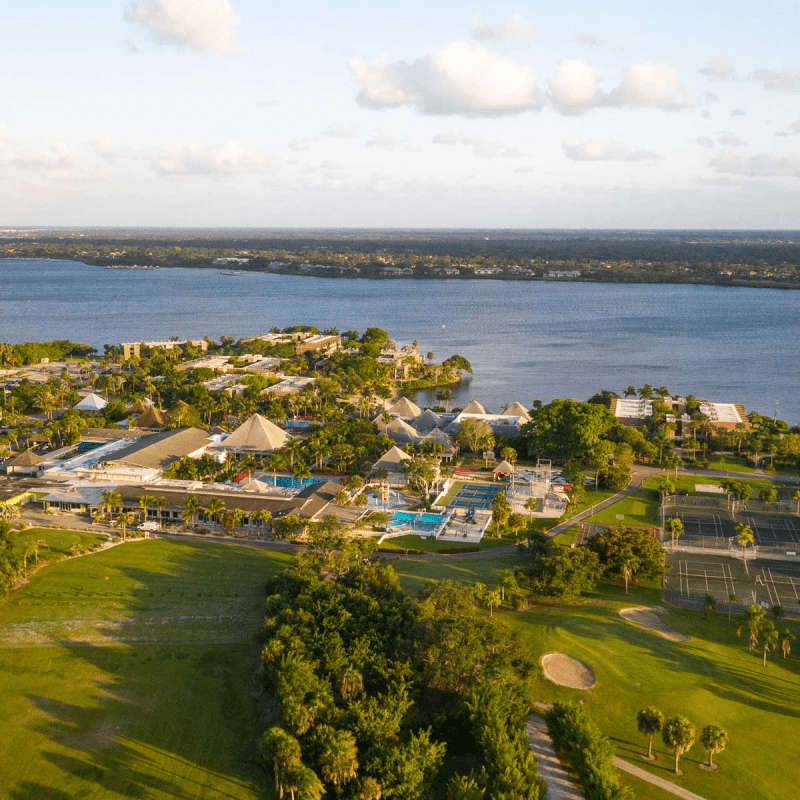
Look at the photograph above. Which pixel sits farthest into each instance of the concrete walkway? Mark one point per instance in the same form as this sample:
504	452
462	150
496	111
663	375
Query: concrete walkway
560	785
637	772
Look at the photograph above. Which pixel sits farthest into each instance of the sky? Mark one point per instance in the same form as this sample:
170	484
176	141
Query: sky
626	114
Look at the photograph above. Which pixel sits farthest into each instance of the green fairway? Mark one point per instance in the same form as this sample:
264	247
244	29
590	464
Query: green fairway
414	574
710	679
128	673
640	508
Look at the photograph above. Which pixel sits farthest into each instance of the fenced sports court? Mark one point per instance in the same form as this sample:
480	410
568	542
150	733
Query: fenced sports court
474	495
765	582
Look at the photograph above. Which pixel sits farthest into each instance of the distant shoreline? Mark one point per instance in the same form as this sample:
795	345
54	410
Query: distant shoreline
337	274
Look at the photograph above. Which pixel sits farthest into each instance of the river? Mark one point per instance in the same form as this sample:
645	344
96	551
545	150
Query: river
525	340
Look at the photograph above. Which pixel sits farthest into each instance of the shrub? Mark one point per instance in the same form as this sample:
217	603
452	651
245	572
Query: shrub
587	750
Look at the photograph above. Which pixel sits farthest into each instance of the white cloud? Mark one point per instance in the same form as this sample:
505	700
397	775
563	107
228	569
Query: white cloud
738	112
785	80
575	87
704	141
792	130
583	37
110	151
388	139
488	31
216	160
338	130
331	166
705	113
709	98
651	85
54	159
763	165
730	139
196	24
719	69
301	145
579	150
456	79
481	146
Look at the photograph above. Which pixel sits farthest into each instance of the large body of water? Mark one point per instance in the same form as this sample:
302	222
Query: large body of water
525	340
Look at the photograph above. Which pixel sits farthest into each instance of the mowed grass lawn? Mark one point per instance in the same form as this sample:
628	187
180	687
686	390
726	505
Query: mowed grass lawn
710	679
128	673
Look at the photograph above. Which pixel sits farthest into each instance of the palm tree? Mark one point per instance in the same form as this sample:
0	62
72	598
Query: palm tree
770	639
674	527
745	538
292	448
678	735
34	545
649	721
302	471
278	461
753	622
232	520
532	504
111	501
162	503
214	508
339	757
190	510
145	501
262	516
283	751
713	738
786	642
796	498
125	519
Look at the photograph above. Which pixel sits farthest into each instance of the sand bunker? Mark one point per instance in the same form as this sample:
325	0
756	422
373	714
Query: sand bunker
645	618
566	671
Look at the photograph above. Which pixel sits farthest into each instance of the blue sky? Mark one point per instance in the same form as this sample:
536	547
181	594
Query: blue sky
235	112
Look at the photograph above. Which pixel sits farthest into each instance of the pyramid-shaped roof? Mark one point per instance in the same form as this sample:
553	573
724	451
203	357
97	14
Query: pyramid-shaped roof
437	435
518	410
256	435
474	408
393	457
399	429
25	459
151	418
503	468
139	407
428	420
404	408
92	402
255	485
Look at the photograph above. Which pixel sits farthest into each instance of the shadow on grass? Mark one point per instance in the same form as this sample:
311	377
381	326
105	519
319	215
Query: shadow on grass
165	709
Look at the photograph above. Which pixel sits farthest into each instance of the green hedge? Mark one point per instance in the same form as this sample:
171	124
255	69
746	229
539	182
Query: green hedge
588	752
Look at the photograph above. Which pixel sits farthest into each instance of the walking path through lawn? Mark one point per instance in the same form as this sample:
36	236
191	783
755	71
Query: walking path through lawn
560	785
679	791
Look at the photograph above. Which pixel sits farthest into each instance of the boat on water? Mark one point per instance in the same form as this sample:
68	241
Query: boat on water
233	272
131	266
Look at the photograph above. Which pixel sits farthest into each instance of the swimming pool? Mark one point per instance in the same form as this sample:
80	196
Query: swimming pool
417	520
287	482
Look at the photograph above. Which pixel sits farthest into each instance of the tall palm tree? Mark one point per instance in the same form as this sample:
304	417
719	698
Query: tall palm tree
162	503
111	501
339	757
145	501
278	461
745	538
190	510
215	508
649	721
34	545
674	527
124	519
262	517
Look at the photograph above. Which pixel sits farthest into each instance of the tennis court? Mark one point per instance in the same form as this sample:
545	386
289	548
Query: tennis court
772	528
474	495
764	581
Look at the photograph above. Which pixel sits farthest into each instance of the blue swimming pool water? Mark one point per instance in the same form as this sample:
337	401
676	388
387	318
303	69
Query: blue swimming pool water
419	520
286	482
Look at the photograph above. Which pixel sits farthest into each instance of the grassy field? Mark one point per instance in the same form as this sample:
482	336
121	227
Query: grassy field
430	545
710	679
640	508
127	673
57	543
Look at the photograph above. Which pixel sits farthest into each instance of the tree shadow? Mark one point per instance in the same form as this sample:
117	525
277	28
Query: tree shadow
163	706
